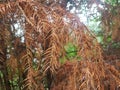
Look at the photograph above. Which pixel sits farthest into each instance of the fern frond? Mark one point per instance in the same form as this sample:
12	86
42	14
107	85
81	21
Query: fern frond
29	82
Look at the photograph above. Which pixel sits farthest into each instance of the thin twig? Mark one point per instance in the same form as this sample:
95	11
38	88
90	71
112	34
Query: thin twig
28	20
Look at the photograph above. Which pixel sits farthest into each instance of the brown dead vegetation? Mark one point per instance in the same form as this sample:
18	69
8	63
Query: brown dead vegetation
46	31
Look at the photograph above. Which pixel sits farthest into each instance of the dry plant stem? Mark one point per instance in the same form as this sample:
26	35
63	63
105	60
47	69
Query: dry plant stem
28	20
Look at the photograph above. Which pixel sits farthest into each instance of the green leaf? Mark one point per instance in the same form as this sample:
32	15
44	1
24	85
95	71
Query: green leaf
71	50
62	60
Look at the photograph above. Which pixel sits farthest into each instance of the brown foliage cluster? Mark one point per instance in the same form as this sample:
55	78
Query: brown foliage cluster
86	75
33	55
110	21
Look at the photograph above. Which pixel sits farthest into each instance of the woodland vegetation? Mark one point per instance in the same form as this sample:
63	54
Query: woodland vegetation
44	45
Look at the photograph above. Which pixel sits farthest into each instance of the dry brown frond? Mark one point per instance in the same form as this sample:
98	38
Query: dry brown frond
86	75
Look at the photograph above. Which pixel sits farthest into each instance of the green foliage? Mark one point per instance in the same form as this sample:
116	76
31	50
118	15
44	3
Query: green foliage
1	75
71	53
71	50
63	60
112	2
116	45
